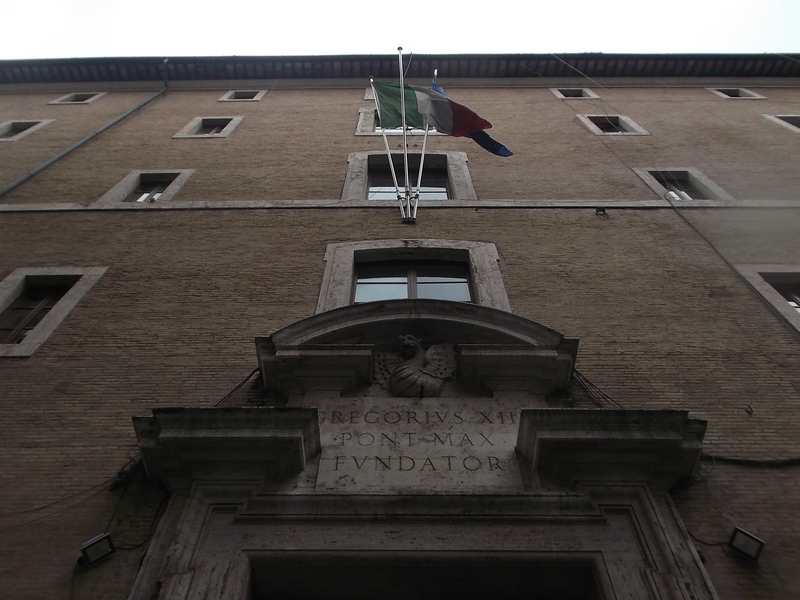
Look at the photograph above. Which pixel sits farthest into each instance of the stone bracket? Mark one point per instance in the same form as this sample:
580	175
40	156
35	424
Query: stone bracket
181	446
658	447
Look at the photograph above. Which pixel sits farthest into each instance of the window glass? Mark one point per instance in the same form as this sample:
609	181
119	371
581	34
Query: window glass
397	280
28	309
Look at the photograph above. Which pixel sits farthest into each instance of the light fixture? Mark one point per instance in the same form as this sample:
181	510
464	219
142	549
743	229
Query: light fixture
746	543
96	548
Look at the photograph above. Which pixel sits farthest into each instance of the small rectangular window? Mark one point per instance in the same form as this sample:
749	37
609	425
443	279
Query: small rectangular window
615	125
572	93
209	127
791	292
243	96
11	131
791	122
34	301
78	98
434	177
680	183
431	280
31	306
737	93
151	187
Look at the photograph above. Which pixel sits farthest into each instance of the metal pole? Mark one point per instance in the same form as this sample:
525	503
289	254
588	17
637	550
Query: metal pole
405	143
388	153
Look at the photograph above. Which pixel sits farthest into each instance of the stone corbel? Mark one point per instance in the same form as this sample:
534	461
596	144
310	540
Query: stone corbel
181	446
294	370
657	447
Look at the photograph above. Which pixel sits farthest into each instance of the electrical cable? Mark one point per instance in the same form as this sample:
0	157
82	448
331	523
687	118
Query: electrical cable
236	388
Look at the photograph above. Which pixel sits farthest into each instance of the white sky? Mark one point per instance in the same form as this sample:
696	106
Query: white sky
83	28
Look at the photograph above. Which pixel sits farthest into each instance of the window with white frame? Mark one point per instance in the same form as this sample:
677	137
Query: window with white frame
78	98
209	127
11	131
243	96
434	177
682	184
573	93
33	302
429	279
140	188
735	93
779	286
788	121
375	270
613	125
448	175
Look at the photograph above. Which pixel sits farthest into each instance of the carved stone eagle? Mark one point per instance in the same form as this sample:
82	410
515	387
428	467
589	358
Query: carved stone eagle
416	373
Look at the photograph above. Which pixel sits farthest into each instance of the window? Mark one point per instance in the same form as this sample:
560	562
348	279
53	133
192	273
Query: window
611	125
440	269
737	93
209	127
30	307
369	124
445	174
682	184
151	187
33	302
434	177
141	188
572	93
779	286
788	121
78	98
434	280
243	96
11	131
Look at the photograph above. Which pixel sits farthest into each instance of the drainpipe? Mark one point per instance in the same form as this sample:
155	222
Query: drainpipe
92	135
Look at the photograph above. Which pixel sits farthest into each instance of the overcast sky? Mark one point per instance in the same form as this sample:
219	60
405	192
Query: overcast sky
84	28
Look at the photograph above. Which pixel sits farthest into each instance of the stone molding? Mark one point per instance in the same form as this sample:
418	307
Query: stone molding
497	351
573	446
181	446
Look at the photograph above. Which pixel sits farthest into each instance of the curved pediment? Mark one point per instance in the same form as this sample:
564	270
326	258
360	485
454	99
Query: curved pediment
380	323
356	346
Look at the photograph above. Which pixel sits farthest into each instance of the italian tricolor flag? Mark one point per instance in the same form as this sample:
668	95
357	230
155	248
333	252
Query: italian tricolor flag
448	117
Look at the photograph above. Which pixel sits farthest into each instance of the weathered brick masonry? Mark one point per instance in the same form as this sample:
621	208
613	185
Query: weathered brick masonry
664	320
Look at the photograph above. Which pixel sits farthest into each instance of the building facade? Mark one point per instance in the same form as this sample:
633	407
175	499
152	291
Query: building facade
573	377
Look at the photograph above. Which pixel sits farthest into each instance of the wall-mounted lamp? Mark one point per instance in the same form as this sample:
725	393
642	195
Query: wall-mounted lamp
746	543
96	548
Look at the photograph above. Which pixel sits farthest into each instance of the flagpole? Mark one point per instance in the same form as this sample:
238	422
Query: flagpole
419	173
388	152
408	217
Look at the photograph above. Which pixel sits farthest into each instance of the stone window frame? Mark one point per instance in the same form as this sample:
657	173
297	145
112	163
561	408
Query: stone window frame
13	285
193	126
367	126
69	98
228	96
779	119
762	278
747	94
7	125
697	179
630	126
356	181
338	280
587	93
117	194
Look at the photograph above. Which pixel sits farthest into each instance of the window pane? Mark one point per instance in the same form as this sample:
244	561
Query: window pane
441	272
370	292
457	292
383	272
